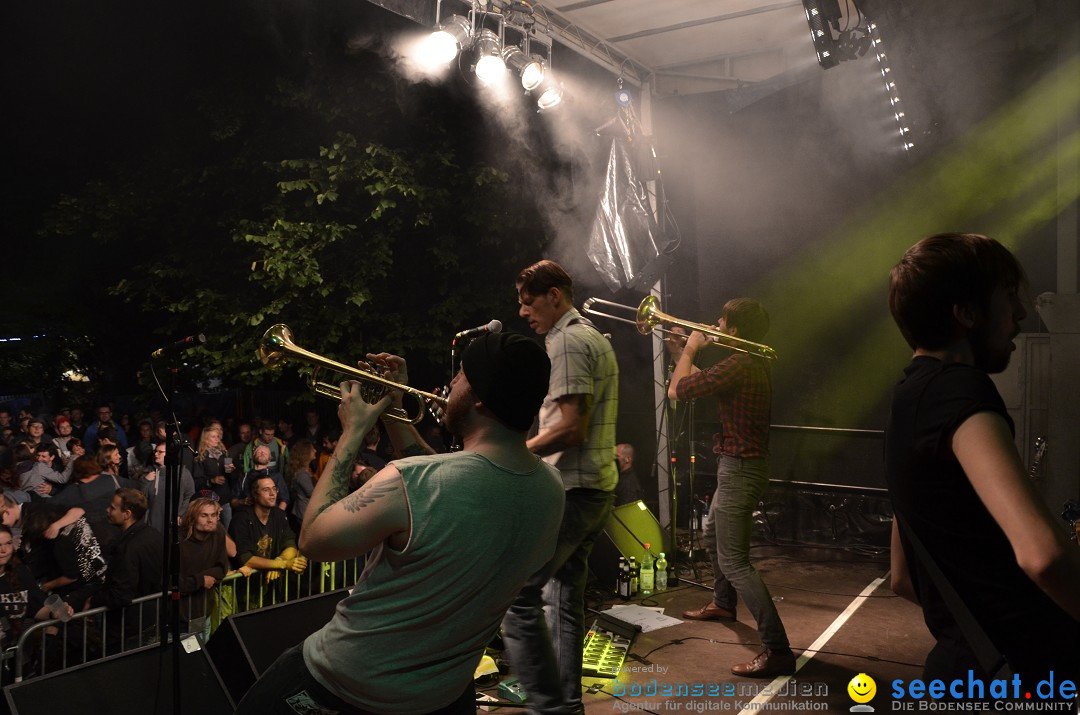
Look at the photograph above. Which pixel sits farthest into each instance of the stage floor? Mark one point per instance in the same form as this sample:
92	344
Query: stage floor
841	619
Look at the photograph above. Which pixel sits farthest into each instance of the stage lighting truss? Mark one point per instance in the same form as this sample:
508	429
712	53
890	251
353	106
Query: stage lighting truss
505	36
841	32
903	127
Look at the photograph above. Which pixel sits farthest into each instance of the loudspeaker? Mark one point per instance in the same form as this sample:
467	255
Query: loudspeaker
628	529
138	682
247	644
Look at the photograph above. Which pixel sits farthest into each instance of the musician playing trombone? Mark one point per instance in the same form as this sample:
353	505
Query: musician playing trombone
449	538
743	384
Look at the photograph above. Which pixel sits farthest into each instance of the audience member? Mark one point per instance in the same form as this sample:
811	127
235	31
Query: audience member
240	491
212	467
62	427
106	437
264	539
105	420
92	490
70	565
41	479
142	452
35	432
369	455
153	485
329	442
313	431
22	601
285	431
203	560
78	426
236	450
301	481
134	569
279	451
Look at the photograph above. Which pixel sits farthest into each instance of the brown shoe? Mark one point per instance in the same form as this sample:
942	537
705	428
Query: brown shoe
709	612
767	664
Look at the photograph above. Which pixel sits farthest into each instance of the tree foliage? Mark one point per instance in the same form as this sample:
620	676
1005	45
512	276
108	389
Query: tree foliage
320	190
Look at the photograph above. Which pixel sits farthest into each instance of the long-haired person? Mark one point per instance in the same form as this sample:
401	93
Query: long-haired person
300	480
212	467
203	561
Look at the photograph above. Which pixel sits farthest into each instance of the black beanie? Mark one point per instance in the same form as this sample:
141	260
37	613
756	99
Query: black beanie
509	375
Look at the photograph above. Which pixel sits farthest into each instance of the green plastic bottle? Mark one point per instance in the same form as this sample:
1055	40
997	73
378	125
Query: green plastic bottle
661	573
648	575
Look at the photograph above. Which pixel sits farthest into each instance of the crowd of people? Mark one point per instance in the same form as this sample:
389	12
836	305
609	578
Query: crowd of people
85	509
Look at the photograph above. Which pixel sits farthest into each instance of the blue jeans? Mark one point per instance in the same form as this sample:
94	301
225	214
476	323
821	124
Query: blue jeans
740	484
288	688
549	666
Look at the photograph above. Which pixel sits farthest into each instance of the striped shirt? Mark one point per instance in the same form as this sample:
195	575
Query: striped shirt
744	385
583	363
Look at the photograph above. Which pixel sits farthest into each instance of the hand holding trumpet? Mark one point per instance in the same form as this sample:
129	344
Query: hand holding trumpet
357	415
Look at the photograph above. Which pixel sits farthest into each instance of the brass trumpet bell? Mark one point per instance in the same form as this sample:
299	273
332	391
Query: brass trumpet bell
277	346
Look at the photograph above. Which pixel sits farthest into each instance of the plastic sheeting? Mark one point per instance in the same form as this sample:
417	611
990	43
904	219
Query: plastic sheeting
622	242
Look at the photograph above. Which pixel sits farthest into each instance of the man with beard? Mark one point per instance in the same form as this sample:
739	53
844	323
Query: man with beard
963	503
408	637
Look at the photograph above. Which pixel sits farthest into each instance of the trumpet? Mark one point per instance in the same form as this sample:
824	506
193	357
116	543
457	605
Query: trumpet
277	345
647	317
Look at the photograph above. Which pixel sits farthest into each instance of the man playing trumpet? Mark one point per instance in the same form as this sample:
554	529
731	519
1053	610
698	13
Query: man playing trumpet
743	384
449	539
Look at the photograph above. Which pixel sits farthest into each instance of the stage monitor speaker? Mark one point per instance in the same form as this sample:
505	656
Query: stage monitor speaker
247	644
138	682
628	529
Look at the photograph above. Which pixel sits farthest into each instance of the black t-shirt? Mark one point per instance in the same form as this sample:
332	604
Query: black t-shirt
18	604
934	498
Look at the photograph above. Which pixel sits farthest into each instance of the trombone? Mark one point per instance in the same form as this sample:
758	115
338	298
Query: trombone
647	316
277	345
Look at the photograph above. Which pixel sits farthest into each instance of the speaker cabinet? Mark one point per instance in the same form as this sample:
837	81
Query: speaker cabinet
139	682
628	529
247	644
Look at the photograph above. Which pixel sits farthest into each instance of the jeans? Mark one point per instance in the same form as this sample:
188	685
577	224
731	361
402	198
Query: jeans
549	667
740	484
288	688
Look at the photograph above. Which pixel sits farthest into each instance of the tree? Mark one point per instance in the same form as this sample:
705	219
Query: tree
320	190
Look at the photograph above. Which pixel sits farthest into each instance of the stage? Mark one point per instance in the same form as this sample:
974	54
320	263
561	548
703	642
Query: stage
818	594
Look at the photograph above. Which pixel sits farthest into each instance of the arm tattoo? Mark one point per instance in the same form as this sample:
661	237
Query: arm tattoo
340	472
366	496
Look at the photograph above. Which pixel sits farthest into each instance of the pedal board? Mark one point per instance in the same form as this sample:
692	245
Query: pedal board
605	652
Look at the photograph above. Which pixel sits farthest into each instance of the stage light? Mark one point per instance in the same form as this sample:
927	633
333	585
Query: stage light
443	45
529	69
551	94
820	14
490	67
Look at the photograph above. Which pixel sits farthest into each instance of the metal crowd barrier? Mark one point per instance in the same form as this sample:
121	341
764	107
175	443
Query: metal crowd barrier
51	646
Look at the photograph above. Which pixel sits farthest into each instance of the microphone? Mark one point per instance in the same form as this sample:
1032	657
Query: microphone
494	326
179	346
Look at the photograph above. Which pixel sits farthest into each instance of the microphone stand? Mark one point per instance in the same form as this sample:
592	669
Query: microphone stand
169	610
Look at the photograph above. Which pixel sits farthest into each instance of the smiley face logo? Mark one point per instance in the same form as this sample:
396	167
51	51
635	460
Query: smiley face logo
862	688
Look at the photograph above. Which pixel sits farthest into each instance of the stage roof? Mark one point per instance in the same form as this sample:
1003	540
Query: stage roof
679	46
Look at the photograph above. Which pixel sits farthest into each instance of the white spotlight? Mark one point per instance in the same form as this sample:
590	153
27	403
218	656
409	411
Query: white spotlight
529	69
443	45
551	94
490	67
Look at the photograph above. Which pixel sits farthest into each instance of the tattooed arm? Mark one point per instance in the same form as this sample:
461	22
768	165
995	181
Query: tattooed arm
337	526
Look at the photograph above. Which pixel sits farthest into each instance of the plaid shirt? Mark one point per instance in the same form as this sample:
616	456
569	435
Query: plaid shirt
583	363
744	386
